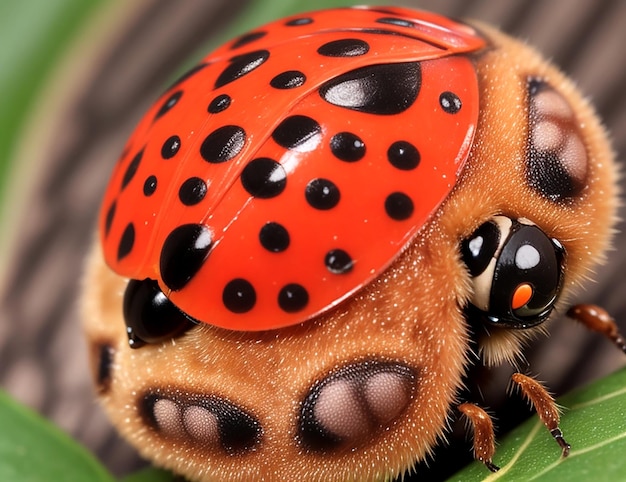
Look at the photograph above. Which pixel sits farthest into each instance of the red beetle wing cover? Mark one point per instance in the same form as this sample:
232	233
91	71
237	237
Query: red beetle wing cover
294	164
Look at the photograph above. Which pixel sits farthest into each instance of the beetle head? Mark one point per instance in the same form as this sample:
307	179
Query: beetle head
516	270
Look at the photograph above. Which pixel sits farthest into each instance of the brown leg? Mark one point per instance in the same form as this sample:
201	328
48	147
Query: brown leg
484	438
545	406
597	319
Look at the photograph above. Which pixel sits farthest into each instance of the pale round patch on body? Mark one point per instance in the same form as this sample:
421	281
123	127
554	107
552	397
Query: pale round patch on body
201	425
547	135
574	156
167	416
557	157
203	420
347	407
550	103
387	395
338	410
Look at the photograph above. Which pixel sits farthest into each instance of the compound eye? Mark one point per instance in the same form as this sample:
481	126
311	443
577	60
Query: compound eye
528	275
478	250
150	316
516	272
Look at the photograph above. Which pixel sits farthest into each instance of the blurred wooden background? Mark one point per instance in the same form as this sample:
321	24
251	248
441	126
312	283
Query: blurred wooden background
42	356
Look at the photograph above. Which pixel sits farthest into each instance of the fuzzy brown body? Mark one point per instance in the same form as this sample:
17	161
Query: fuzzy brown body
411	316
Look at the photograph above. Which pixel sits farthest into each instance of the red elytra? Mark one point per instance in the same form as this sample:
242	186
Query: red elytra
294	164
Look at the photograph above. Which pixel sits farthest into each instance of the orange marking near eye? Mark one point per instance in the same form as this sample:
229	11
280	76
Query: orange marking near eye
523	294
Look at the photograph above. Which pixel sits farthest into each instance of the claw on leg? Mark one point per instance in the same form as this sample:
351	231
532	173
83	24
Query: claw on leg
598	320
484	438
545	406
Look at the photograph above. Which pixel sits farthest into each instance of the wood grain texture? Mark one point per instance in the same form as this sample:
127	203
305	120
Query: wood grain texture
42	355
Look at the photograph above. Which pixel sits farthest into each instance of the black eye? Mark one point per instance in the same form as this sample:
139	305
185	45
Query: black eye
478	250
519	288
150	316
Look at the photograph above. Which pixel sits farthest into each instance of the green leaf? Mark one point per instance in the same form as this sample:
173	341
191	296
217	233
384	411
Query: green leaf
593	422
33	450
35	37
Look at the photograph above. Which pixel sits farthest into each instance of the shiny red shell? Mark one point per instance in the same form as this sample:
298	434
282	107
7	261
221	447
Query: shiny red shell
294	164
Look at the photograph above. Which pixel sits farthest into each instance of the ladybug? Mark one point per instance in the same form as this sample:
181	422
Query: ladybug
311	230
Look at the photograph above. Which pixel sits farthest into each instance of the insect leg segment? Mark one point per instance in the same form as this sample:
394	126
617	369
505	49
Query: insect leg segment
544	404
597	319
482	425
484	437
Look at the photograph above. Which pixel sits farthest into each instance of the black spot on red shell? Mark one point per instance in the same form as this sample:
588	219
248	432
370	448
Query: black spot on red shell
399	206
264	178
171	101
274	237
223	144
347	47
192	191
219	104
241	65
288	80
322	194
296	22
398	22
131	170
293	298
108	219
239	296
383	89
183	253
347	147
338	261
149	186
170	147
450	102
187	75
150	316
295	130
127	241
248	39
403	155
